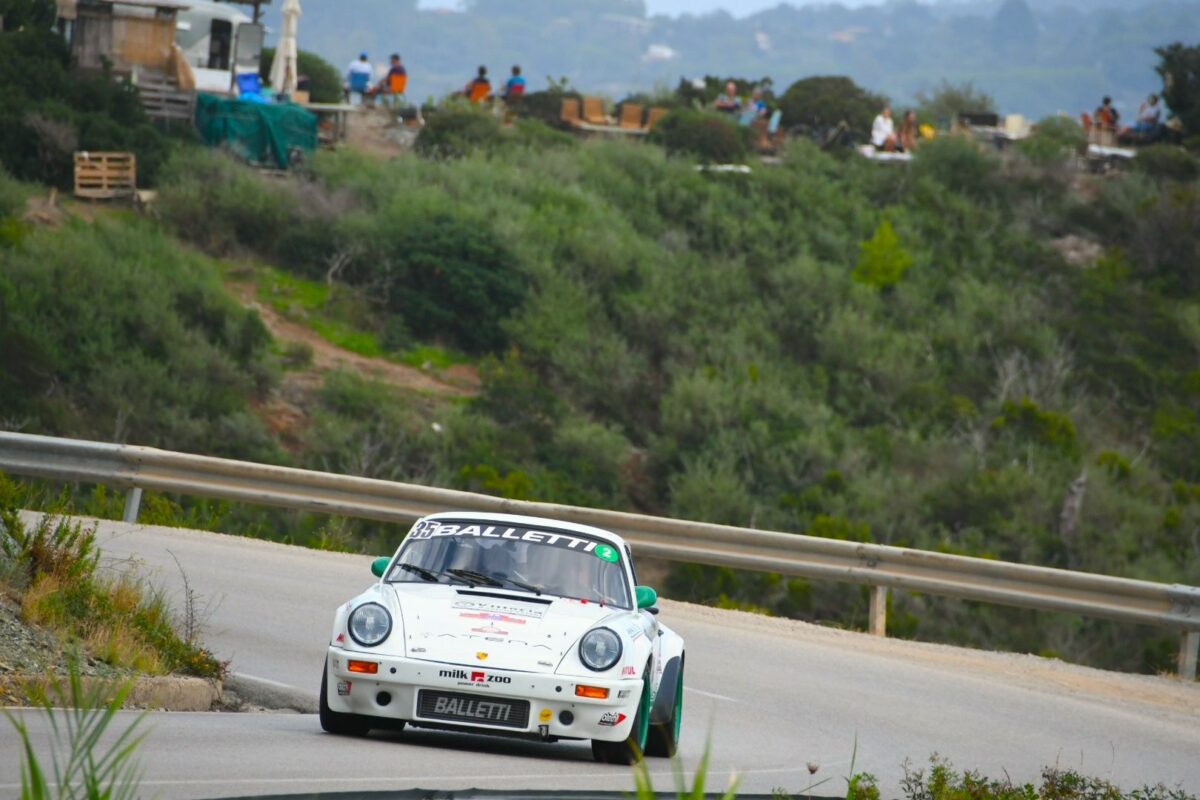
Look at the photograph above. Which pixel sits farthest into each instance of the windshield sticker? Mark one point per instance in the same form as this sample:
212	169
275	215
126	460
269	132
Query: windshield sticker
606	553
503	610
433	530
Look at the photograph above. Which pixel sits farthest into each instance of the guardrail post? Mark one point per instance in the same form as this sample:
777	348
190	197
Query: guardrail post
877	622
132	501
1189	644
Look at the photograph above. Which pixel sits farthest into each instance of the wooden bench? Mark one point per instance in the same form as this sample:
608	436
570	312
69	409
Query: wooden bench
103	176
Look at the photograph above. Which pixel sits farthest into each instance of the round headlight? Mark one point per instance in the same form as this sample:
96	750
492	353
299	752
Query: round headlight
369	624
600	649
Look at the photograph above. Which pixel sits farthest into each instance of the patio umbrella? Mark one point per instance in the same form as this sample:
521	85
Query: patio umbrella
283	69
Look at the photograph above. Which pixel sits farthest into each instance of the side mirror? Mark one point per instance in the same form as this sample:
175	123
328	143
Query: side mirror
646	597
380	565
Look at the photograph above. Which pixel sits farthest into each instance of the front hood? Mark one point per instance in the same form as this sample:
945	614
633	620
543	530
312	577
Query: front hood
483	627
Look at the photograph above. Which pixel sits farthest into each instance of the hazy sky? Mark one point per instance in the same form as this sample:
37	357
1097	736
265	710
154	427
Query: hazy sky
739	8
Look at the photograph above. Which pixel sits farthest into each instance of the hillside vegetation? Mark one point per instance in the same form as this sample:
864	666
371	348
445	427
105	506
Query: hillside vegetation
971	355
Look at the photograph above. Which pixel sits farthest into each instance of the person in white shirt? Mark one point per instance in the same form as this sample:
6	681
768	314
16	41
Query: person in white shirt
358	78
883	131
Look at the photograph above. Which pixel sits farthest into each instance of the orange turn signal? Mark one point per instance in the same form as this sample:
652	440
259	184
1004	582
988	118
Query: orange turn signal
596	692
370	667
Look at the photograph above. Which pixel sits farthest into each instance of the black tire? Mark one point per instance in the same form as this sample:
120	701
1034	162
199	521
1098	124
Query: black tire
666	718
628	751
335	721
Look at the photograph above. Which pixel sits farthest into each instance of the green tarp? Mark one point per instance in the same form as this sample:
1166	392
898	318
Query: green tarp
261	134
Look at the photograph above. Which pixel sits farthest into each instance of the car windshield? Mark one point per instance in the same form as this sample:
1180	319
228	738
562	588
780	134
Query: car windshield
513	557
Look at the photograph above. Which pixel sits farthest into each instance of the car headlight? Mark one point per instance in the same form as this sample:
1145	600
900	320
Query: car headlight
369	624
600	649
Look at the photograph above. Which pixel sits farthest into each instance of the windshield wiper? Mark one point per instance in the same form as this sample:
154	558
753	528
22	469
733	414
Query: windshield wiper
477	577
424	573
529	587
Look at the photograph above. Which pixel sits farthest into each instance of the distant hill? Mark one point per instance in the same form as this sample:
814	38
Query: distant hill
1036	58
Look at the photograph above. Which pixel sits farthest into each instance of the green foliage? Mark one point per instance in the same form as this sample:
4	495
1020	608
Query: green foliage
1054	139
87	761
544	106
324	79
942	105
458	129
958	163
644	786
708	136
1047	428
112	329
47	112
942	782
1179	68
1167	162
882	260
823	102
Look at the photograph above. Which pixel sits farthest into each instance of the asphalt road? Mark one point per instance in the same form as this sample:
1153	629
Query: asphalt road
771	696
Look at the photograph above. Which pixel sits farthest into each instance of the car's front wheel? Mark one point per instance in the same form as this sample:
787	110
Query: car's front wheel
335	721
628	750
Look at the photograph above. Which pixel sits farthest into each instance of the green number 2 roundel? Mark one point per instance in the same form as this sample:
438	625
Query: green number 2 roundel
606	553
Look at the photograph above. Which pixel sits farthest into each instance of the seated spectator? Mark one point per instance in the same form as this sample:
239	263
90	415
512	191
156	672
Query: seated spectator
907	137
729	101
1106	116
479	88
358	78
393	84
883	131
757	104
1149	116
516	84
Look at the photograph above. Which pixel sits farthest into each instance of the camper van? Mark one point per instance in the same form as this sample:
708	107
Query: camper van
219	42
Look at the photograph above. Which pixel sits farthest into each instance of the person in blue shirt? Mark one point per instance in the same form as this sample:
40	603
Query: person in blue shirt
358	78
515	87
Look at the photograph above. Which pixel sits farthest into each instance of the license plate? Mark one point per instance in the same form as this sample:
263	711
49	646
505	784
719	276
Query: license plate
471	708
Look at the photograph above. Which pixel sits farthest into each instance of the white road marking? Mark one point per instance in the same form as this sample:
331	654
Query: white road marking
713	695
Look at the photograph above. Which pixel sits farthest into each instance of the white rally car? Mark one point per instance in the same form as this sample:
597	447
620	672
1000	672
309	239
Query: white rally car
509	625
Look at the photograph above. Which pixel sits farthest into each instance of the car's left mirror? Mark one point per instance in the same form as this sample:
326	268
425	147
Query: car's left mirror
646	597
379	566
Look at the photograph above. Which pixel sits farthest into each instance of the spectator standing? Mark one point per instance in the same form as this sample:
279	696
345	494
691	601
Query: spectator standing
358	78
883	131
1106	116
728	101
479	88
515	87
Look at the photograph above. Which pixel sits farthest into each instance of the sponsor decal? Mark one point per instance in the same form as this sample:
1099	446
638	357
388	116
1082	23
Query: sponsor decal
628	671
485	638
474	709
505	611
475	678
432	529
607	553
343	688
621	695
482	656
491	630
341	639
611	719
492	617
545	715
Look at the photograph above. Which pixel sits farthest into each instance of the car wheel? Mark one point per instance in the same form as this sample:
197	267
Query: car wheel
628	751
335	721
666	717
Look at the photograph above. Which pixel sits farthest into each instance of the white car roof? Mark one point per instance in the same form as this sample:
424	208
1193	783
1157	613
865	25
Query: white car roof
530	522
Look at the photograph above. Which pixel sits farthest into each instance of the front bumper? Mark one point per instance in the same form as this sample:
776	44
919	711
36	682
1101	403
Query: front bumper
398	681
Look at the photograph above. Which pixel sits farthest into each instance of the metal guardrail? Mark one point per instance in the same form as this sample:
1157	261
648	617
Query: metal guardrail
879	566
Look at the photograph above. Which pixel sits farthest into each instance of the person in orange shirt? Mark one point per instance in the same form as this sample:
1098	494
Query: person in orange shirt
393	84
479	88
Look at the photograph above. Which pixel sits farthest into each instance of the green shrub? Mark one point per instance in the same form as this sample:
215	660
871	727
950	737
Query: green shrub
1167	162
324	79
824	101
882	261
537	135
708	136
1048	428
942	105
457	130
1054	139
544	107
957	163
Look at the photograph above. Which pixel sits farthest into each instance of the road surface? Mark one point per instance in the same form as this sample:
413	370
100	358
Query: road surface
771	697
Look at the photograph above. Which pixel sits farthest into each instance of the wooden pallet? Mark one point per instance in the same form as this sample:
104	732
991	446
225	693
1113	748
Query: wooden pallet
166	101
101	176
